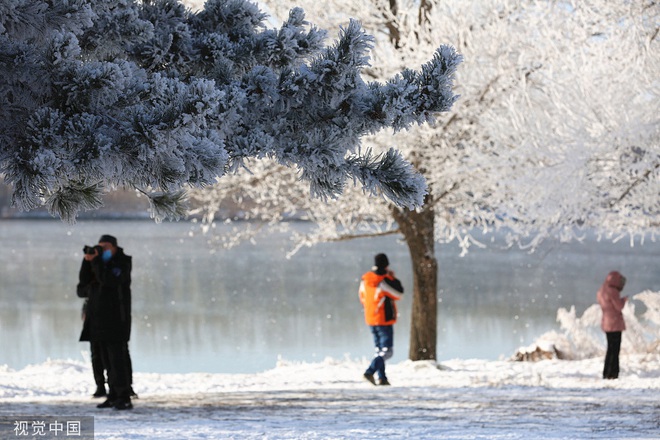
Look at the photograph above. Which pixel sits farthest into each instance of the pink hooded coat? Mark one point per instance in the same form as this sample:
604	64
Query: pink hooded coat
609	298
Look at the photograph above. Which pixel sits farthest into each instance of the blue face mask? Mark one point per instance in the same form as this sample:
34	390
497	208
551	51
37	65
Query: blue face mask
107	254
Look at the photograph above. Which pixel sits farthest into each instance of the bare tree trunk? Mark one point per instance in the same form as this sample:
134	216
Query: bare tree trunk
418	231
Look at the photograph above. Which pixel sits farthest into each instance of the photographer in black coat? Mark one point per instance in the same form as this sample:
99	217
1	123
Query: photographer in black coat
105	278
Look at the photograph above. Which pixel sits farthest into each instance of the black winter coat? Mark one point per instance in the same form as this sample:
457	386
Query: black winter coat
107	287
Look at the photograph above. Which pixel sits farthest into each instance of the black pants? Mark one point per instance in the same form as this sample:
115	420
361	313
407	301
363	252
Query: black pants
129	365
611	370
116	361
97	364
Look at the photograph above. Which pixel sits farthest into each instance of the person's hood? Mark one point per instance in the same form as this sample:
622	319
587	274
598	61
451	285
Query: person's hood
372	278
616	280
379	270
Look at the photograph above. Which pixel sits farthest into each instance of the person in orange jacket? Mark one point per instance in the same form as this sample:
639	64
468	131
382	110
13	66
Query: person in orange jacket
378	292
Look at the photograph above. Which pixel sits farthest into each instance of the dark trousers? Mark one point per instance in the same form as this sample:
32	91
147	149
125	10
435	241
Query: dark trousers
97	364
115	360
129	365
611	369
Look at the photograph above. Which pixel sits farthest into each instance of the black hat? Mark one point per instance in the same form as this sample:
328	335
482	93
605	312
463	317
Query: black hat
381	261
108	239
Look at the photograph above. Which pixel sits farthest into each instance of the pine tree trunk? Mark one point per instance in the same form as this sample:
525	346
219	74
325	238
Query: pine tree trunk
418	231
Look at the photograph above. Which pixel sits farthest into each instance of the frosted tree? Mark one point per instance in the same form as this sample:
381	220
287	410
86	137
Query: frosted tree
99	94
556	133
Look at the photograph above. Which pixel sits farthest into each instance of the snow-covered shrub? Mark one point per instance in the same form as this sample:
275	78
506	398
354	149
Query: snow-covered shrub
582	338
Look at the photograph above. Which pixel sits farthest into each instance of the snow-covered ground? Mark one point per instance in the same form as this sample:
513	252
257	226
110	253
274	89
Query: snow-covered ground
456	399
461	399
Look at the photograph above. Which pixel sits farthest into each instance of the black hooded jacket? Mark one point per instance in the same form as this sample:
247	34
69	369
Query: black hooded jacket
107	287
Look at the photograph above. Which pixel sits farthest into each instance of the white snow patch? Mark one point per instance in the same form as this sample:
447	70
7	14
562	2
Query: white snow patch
459	398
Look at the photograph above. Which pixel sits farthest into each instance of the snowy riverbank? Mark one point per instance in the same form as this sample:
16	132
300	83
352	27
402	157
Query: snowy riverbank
457	399
328	400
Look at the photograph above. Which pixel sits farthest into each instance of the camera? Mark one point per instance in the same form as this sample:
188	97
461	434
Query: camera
90	250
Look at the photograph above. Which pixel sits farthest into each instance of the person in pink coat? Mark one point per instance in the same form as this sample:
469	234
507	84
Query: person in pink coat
611	302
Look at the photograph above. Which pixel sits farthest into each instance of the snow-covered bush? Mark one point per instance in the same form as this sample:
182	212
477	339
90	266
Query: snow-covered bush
582	338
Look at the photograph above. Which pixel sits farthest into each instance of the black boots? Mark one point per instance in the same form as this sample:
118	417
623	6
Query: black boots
119	404
100	391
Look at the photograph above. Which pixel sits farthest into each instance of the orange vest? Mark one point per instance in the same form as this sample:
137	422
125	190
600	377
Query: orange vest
373	298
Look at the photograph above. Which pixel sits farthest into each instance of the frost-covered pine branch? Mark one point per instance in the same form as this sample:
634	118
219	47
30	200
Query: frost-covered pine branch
103	94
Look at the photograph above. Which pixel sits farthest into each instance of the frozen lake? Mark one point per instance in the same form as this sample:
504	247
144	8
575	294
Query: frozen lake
198	308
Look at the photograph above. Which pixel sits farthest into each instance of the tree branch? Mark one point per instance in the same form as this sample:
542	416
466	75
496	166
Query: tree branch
423	18
392	24
454	117
635	184
348	237
437	199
